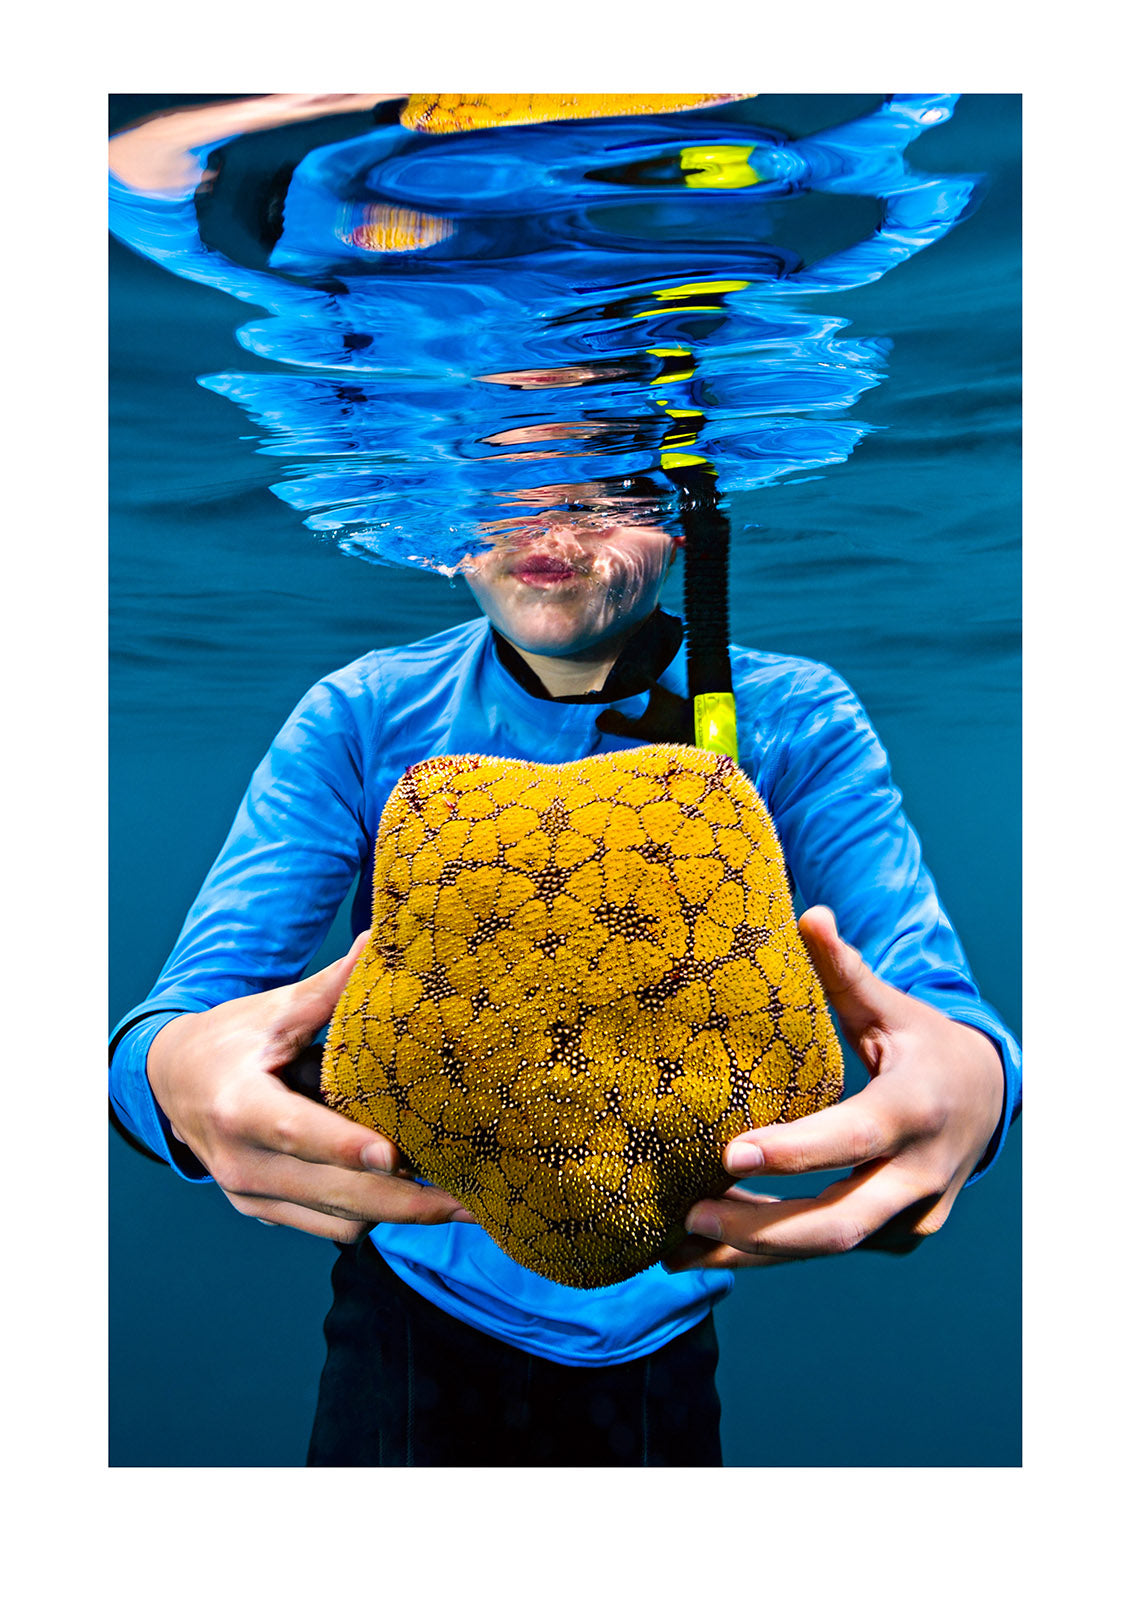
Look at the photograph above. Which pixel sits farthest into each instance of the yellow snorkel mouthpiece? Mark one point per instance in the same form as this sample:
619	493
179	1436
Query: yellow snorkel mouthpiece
716	724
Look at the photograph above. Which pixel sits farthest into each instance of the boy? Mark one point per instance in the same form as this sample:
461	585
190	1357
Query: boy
442	1351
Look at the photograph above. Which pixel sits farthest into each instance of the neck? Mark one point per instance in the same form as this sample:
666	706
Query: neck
569	674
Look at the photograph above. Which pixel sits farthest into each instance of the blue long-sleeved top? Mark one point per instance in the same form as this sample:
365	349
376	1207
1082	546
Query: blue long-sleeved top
306	828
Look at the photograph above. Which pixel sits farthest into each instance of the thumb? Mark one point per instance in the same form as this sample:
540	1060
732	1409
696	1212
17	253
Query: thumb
312	1000
860	999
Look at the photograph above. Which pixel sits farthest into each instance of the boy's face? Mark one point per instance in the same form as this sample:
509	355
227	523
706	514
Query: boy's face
571	585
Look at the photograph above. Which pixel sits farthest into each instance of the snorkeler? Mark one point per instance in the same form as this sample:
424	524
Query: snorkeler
571	625
441	1349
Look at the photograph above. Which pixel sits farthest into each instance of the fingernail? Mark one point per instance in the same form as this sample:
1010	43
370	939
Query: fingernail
267	1223
377	1157
744	1158
461	1216
705	1223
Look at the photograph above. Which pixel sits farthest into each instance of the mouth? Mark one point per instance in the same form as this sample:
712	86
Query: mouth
544	571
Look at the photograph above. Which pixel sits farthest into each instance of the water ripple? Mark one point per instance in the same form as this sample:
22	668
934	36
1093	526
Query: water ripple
469	330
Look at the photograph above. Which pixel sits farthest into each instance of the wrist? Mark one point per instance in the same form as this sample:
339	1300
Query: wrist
987	1050
131	1090
159	1062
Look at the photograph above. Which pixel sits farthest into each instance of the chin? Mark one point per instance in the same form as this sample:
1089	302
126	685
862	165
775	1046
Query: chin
558	623
549	641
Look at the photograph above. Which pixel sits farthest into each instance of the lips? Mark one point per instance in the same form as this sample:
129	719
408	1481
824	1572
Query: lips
545	569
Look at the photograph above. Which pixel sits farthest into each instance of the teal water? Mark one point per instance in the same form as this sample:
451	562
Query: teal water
895	558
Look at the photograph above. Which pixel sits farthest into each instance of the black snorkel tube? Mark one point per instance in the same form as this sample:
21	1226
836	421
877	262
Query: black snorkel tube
707	717
706	573
706	565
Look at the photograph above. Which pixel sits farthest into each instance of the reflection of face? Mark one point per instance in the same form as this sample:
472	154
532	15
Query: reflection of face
571	586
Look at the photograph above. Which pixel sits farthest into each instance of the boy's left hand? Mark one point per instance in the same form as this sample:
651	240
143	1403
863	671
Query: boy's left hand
912	1137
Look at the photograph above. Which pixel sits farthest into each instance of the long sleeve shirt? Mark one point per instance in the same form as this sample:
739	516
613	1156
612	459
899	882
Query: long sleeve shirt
306	829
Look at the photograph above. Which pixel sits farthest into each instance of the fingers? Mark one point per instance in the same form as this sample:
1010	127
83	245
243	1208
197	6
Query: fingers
696	1253
281	1213
278	1155
304	1007
278	1213
879	1121
900	1235
699	1255
261	1112
909	1228
837	1220
278	1187
337	973
861	1001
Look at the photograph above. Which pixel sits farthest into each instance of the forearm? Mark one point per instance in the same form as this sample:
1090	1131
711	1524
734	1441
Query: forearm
161	155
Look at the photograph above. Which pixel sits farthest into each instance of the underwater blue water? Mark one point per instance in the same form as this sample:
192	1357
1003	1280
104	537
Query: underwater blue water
860	400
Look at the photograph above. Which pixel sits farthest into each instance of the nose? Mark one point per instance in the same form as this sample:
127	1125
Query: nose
559	538
563	536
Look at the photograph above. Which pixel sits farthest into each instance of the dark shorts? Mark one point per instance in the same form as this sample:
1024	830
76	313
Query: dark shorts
406	1385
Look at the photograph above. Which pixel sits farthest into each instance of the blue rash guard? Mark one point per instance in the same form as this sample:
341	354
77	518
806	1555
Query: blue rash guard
306	829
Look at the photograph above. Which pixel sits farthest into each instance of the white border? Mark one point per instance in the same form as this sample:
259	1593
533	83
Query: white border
929	1531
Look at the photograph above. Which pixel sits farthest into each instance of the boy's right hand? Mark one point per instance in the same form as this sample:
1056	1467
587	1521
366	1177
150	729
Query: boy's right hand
277	1155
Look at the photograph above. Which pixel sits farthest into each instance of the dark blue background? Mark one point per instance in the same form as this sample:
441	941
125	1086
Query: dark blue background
901	568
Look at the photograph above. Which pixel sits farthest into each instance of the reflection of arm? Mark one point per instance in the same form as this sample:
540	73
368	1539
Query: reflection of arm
160	156
850	847
155	173
298	840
